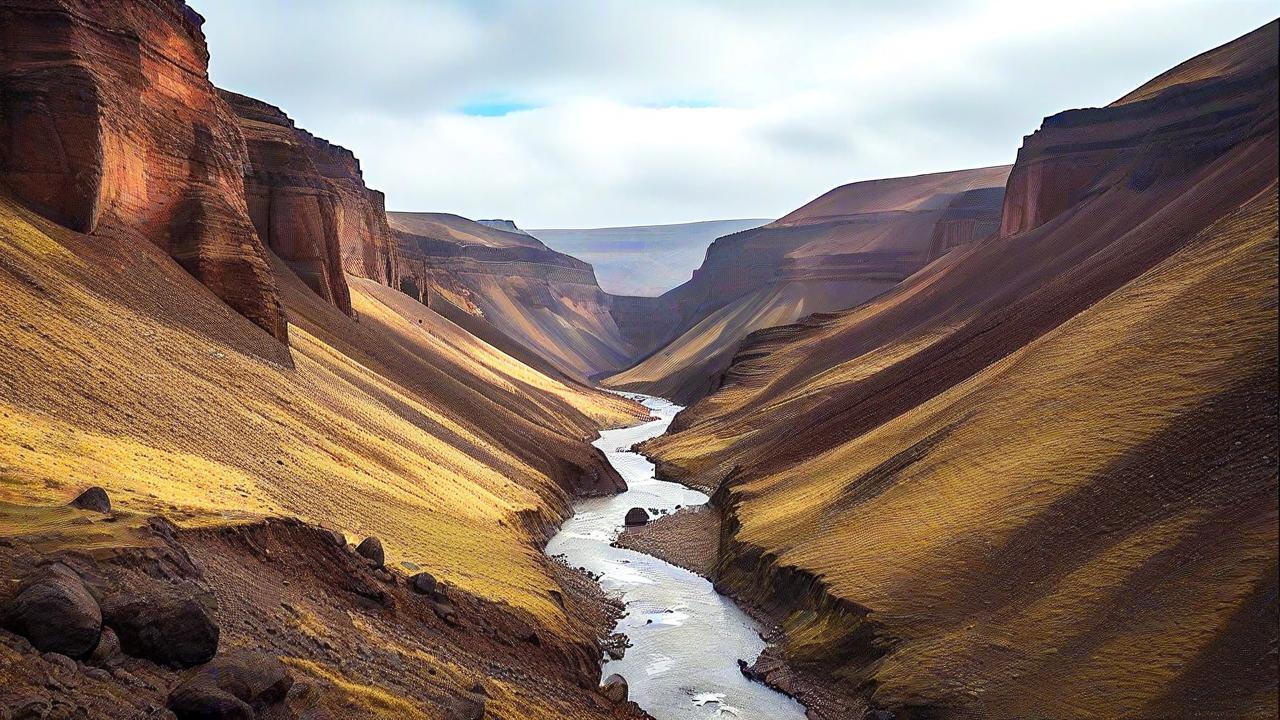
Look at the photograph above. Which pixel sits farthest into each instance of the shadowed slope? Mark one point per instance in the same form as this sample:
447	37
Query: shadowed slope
544	300
842	249
1039	477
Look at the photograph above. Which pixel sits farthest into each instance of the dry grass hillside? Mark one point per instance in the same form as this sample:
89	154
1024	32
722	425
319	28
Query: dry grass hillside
547	301
1039	478
840	250
121	370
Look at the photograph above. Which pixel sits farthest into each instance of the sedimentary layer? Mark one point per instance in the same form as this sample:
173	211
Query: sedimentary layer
1038	477
111	127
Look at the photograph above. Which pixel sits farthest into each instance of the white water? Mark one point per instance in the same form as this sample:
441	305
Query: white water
686	638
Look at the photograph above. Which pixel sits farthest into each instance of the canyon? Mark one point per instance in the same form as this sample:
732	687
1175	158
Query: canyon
998	442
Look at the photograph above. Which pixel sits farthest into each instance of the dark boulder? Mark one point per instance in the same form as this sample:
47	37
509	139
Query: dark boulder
169	631
614	688
636	516
55	612
229	686
95	499
371	549
423	583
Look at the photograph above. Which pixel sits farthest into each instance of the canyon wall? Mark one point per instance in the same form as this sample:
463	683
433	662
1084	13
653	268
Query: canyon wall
839	250
109	126
547	301
1044	466
309	204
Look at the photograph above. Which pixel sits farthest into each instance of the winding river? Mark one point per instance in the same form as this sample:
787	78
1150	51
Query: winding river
685	637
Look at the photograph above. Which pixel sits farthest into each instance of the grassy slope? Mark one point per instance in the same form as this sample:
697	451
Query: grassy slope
895	215
122	371
1039	477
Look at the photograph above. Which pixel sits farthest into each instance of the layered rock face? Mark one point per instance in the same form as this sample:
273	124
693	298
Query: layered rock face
1044	467
839	250
547	301
309	203
109	126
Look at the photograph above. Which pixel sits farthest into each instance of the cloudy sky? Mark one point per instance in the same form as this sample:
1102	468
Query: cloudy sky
586	113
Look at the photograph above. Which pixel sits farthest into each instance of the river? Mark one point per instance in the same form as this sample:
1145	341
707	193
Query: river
686	638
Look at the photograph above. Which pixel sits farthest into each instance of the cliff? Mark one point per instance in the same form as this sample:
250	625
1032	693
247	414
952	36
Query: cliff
111	127
1044	466
837	251
546	301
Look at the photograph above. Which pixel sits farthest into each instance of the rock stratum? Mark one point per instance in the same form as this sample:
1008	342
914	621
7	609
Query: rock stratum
151	229
1039	477
111	127
547	301
839	250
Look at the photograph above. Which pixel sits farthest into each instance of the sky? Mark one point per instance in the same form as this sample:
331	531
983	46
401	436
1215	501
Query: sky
595	113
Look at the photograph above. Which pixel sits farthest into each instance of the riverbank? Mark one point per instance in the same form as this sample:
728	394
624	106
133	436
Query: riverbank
685	639
692	538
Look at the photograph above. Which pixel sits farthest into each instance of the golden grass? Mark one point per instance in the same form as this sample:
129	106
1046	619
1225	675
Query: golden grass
124	372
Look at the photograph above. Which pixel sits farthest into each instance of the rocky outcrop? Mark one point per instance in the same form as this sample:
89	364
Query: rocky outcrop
309	204
111	127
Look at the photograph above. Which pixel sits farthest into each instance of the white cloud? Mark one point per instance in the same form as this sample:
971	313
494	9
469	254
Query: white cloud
677	110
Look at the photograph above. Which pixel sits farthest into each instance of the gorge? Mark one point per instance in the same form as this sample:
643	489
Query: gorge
997	442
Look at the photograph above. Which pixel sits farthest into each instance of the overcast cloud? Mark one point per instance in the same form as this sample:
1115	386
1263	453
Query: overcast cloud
629	112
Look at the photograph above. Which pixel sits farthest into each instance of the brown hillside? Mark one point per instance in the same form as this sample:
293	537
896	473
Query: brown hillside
1039	477
842	249
548	302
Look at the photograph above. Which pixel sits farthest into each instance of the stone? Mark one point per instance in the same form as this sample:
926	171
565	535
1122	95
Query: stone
423	583
371	549
227	686
445	612
108	652
467	708
614	688
95	499
171	631
56	613
636	517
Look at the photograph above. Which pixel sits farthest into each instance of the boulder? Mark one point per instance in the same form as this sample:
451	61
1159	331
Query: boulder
171	631
636	516
614	688
231	686
95	499
371	549
467	708
56	613
423	583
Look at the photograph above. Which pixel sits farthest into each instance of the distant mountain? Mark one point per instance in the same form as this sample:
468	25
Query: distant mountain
843	248
645	260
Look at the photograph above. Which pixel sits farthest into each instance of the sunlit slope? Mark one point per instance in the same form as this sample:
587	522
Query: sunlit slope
122	371
838	251
1038	478
547	301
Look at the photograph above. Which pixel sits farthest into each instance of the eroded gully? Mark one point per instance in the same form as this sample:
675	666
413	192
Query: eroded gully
685	637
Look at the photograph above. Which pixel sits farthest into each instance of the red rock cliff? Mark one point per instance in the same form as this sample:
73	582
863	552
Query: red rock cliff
109	125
